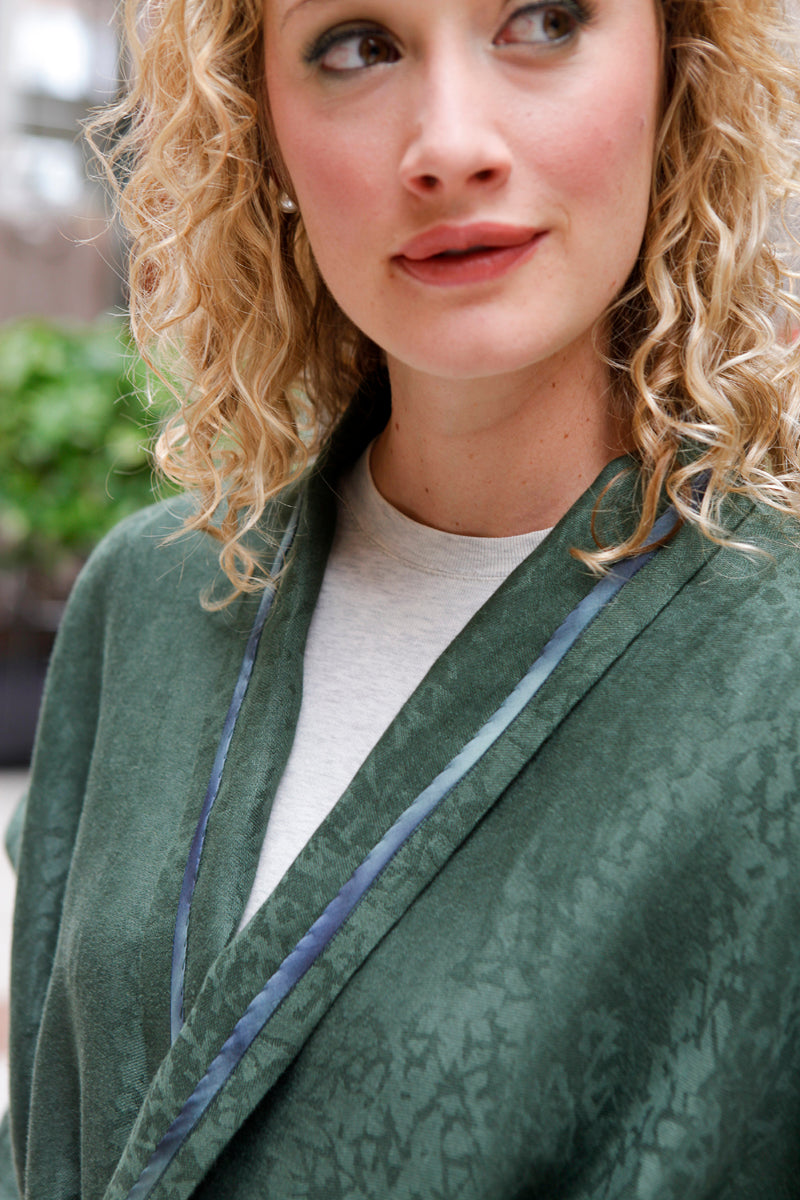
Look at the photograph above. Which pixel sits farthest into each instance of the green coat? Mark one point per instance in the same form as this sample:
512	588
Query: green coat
580	978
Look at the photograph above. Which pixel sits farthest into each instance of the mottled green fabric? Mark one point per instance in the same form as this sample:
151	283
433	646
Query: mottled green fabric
579	979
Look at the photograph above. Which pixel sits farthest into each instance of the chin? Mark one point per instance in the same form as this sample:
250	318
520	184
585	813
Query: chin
465	356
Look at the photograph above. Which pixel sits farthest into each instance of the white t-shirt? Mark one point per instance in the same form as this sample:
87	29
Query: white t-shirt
394	595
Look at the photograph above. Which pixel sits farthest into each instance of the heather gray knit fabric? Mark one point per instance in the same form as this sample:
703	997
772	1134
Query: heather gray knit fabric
394	595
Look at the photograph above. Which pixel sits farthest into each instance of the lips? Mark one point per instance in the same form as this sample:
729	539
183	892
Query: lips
460	254
454	239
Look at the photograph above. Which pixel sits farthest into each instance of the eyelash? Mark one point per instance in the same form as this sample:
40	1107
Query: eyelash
580	10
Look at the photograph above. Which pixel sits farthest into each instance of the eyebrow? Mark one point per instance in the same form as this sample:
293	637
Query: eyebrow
296	8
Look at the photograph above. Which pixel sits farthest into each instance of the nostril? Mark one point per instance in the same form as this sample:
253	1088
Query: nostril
456	169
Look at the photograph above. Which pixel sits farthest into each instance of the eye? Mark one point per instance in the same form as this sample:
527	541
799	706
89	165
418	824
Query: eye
543	24
352	50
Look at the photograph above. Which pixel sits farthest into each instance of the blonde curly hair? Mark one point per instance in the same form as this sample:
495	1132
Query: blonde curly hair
227	302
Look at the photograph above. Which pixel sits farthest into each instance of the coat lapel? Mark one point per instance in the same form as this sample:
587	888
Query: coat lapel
464	687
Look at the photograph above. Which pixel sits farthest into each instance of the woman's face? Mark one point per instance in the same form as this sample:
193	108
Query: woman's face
473	175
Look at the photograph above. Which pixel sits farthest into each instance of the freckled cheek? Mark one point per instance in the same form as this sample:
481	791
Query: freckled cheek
340	178
597	161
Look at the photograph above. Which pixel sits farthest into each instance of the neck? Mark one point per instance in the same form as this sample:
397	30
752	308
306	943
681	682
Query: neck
496	457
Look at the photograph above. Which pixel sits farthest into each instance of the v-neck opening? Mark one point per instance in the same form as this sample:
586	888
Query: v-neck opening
496	646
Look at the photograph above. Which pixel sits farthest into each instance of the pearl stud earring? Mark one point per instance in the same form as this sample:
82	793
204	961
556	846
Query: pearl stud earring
286	203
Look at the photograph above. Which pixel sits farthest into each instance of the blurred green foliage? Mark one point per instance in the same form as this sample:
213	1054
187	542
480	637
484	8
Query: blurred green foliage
75	429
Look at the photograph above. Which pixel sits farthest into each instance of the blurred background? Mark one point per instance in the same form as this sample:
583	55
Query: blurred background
73	426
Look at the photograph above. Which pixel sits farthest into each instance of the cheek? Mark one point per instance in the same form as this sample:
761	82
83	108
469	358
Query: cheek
605	156
598	168
338	173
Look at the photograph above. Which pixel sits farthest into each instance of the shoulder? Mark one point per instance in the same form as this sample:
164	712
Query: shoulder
742	607
143	572
762	562
150	577
144	575
150	563
148	548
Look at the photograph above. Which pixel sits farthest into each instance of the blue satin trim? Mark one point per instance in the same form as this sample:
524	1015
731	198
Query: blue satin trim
179	942
312	944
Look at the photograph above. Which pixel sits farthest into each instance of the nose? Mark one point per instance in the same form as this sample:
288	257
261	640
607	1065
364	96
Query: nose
454	143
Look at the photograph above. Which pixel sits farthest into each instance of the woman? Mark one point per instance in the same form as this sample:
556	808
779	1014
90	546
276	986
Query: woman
523	922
